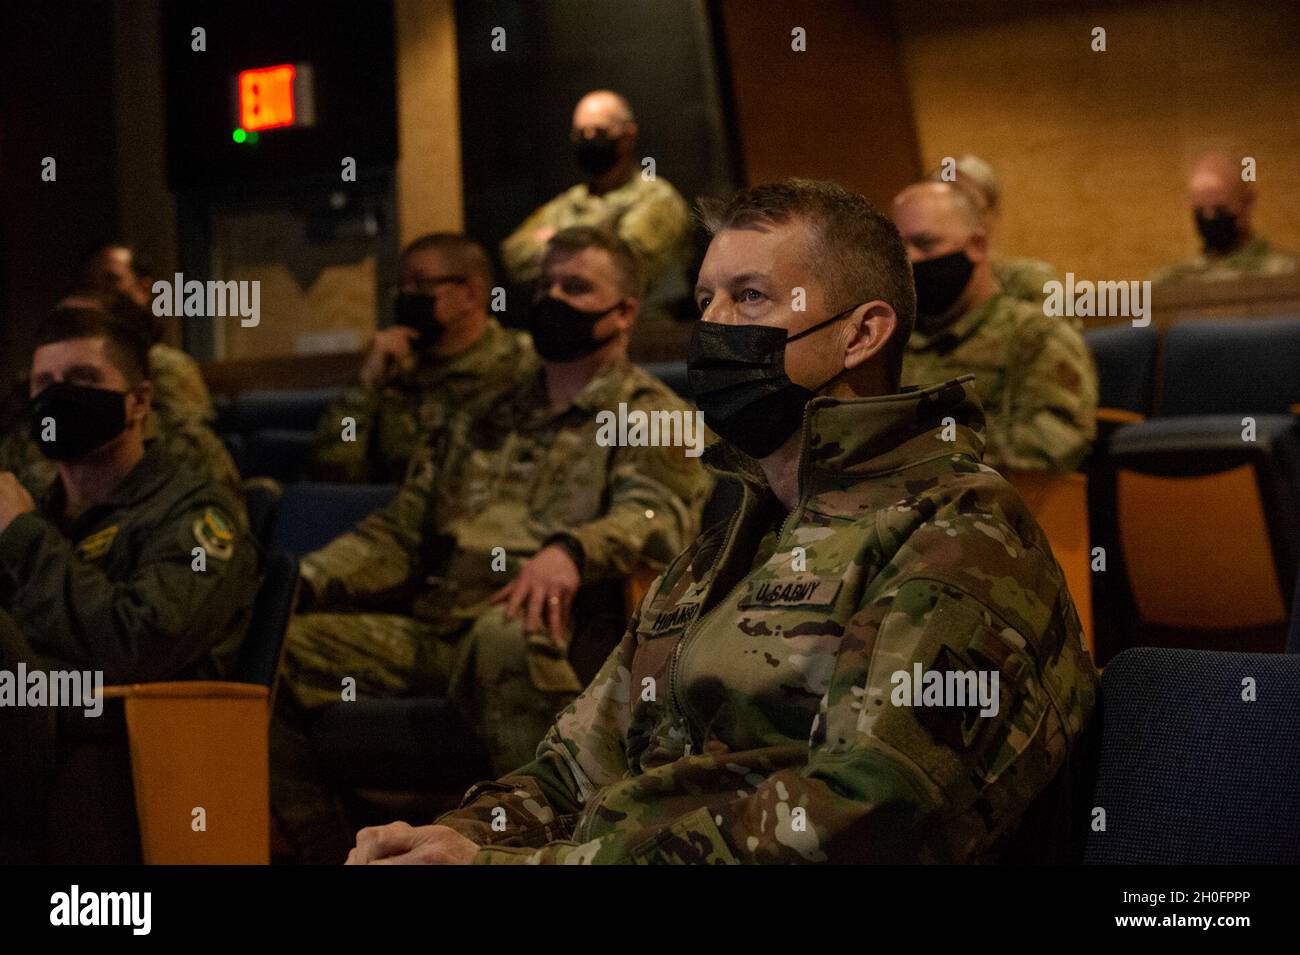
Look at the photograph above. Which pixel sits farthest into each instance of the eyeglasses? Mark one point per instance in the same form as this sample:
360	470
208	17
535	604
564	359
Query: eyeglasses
426	286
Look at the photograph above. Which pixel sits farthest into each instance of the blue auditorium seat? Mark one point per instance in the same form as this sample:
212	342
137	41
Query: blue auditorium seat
291	409
1232	367
1126	364
259	656
311	515
279	453
1190	773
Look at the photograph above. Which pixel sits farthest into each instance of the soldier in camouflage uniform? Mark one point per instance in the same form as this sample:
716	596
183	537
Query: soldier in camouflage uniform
1222	208
506	511
646	211
1020	278
127	565
752	711
424	369
1033	373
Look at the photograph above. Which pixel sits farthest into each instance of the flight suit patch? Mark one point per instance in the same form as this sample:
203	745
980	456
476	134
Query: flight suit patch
97	544
215	535
791	592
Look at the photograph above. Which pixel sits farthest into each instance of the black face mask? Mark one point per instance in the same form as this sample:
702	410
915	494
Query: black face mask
419	311
564	333
83	419
1218	232
737	377
596	156
939	283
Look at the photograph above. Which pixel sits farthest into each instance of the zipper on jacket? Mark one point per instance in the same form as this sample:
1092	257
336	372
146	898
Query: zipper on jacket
675	663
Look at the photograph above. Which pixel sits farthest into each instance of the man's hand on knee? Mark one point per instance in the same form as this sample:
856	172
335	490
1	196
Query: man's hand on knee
401	844
544	588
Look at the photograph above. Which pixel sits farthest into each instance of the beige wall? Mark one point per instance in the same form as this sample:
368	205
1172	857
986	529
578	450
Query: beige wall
429	189
1092	147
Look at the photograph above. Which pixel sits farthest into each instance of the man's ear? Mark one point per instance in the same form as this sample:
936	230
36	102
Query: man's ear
977	246
629	309
874	325
477	288
139	402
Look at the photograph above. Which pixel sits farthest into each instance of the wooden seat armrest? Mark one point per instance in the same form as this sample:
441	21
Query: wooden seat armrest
187	689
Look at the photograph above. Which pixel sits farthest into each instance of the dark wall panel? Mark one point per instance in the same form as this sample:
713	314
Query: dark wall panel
56	76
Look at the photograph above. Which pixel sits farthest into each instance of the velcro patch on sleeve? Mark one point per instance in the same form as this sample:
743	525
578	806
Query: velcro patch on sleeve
214	534
97	544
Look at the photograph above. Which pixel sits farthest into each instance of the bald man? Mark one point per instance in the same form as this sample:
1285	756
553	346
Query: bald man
1222	206
646	212
1033	374
1019	277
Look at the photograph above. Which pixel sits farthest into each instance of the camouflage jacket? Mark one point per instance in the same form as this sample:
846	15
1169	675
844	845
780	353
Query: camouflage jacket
1034	376
750	714
1023	278
119	589
180	419
649	214
484	495
1256	257
392	420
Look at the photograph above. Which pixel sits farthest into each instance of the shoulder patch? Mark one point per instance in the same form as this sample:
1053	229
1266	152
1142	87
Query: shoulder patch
97	544
214	534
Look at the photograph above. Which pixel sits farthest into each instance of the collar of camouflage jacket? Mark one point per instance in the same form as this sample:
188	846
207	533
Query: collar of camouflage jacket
863	437
948	337
474	360
1252	252
607	387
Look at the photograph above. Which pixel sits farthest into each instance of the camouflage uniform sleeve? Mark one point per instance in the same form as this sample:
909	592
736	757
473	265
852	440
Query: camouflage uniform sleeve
657	228
521	253
1050	418
180	393
151	625
332	458
192	444
374	563
535	807
656	496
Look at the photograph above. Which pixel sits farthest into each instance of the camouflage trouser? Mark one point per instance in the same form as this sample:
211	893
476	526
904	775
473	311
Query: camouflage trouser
509	686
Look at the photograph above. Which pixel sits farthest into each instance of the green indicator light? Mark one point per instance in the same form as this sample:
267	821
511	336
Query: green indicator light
239	135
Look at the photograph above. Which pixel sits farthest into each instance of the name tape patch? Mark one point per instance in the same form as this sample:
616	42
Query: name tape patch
792	592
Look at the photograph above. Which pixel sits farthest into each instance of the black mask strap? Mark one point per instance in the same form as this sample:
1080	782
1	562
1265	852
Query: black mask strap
820	325
809	331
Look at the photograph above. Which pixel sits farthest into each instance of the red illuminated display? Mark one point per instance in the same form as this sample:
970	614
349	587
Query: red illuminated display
266	97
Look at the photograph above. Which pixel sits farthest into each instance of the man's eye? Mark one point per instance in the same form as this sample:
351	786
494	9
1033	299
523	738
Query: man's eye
751	295
703	303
